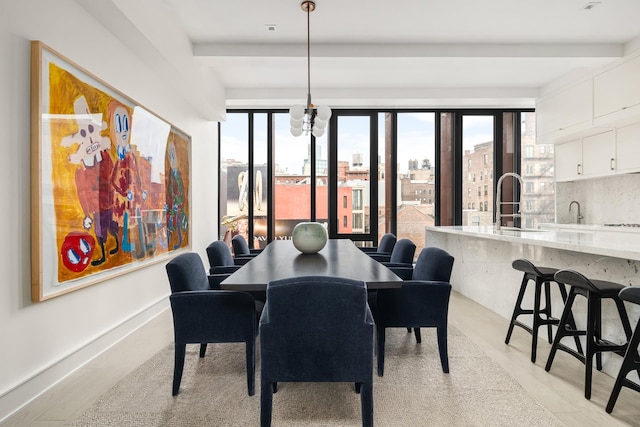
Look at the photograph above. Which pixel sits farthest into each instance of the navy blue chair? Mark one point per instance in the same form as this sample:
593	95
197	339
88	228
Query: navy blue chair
631	361
401	255
241	247
202	315
220	258
316	329
387	242
422	301
222	262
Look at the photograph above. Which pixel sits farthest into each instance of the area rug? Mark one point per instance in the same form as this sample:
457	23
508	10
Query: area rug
413	392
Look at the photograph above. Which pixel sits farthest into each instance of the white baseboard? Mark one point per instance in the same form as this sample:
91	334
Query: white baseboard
21	395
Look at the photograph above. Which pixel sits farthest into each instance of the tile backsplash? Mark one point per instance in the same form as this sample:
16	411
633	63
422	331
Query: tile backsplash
614	199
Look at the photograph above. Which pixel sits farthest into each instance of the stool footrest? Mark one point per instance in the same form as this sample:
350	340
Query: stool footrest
572	352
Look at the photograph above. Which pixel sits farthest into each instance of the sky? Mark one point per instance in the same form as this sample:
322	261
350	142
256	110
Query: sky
416	136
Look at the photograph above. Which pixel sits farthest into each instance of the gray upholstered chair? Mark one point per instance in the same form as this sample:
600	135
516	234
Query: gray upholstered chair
401	255
241	247
222	262
422	301
202	315
316	329
387	242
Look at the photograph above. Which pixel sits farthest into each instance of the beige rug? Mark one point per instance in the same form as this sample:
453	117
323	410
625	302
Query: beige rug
413	392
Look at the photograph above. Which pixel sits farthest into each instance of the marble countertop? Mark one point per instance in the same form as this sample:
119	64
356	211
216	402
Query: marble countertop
593	241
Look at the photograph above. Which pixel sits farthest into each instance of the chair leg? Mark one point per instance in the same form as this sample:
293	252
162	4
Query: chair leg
571	321
517	309
251	367
535	320
562	328
630	363
547	310
178	367
442	348
203	349
416	332
266	403
381	339
366	403
593	333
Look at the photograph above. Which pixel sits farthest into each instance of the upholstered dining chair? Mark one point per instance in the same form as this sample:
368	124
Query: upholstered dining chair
222	262
422	301
401	255
316	329
241	247
202	315
385	246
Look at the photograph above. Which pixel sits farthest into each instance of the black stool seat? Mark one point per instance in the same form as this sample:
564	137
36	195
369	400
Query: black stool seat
542	278
631	361
594	291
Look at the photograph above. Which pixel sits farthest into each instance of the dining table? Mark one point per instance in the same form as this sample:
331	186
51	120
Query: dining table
340	258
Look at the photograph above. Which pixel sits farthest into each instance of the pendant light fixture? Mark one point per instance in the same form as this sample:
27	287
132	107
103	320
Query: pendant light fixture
308	118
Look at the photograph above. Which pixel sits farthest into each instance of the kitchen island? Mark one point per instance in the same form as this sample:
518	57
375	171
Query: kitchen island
482	270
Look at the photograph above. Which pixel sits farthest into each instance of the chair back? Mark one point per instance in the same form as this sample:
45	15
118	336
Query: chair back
186	273
631	294
316	328
573	278
387	243
526	266
219	254
403	252
433	264
240	246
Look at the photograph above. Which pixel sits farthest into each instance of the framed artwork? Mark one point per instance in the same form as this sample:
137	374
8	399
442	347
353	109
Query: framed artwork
110	181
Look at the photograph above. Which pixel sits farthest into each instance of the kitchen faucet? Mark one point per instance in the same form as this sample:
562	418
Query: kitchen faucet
578	217
499	201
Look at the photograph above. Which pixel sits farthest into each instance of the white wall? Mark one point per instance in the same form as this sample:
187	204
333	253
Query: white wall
42	342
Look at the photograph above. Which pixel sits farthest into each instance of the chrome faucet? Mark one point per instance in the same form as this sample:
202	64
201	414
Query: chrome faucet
499	201
579	216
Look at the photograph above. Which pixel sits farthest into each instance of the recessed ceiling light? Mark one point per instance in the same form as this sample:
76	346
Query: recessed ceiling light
270	27
591	5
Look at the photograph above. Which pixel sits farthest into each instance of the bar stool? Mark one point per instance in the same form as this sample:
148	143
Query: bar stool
594	291
631	361
540	276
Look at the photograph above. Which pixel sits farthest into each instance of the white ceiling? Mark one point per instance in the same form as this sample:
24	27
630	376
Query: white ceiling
403	52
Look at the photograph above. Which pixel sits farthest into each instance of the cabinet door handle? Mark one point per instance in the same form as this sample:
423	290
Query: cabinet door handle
579	169
611	164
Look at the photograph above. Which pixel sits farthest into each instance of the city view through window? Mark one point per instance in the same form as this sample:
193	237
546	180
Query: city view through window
243	176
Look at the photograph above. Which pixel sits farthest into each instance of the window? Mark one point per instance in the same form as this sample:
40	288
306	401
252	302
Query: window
486	206
486	159
344	221
479	191
469	164
530	187
480	207
468	192
529	169
344	202
486	190
480	175
528	150
542	148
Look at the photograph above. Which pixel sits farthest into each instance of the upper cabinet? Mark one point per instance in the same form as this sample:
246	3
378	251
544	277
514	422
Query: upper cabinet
616	93
562	115
628	149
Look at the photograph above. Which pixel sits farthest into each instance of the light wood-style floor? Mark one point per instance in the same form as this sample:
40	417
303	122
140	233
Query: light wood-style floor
560	390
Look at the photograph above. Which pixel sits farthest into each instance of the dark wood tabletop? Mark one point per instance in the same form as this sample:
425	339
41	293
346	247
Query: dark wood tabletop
340	257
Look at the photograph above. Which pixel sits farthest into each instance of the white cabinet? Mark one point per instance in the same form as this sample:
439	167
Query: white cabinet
566	112
616	93
599	154
588	157
568	160
628	149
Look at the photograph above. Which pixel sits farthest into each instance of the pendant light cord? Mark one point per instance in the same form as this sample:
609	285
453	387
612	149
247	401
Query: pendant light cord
308	57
